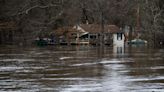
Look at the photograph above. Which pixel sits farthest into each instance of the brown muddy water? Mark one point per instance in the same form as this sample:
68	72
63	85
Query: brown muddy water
81	69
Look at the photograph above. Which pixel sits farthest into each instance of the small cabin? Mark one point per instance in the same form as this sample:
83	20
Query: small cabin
112	34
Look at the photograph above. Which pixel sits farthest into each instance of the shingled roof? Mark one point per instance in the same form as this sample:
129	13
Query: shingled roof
64	30
95	28
91	28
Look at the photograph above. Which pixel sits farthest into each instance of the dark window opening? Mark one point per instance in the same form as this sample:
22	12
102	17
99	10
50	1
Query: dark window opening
119	36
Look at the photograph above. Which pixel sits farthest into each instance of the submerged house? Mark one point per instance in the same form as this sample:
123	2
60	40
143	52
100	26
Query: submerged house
90	34
68	35
112	34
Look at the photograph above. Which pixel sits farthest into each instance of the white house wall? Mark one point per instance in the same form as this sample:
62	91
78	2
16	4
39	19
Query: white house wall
118	42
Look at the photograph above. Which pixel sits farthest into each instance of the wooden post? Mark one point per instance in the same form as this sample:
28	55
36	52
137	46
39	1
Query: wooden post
3	36
0	37
138	22
130	33
154	40
13	36
88	38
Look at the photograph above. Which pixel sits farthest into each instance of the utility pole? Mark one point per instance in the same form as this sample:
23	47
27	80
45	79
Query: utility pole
102	30
101	49
138	21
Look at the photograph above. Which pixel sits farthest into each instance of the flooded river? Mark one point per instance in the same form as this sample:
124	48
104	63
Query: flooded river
81	69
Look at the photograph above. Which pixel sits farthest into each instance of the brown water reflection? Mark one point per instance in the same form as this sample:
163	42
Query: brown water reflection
81	69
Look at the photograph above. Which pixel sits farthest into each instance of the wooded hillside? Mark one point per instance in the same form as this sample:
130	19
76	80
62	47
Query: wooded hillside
32	18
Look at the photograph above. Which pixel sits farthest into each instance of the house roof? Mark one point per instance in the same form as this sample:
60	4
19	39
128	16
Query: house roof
63	31
95	28
91	28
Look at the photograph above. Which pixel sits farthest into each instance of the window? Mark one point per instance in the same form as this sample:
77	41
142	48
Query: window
119	36
93	36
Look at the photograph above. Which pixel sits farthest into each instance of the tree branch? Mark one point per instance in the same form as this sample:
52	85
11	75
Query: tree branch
37	6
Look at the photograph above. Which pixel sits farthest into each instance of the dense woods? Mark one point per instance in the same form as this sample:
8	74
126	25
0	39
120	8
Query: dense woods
27	19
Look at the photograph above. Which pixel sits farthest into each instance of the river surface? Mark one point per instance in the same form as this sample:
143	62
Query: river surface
81	69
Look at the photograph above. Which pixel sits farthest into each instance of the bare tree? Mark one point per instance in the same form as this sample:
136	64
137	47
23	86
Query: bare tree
40	16
152	19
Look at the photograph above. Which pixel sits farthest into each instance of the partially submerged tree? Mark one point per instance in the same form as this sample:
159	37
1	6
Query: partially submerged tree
153	19
32	16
